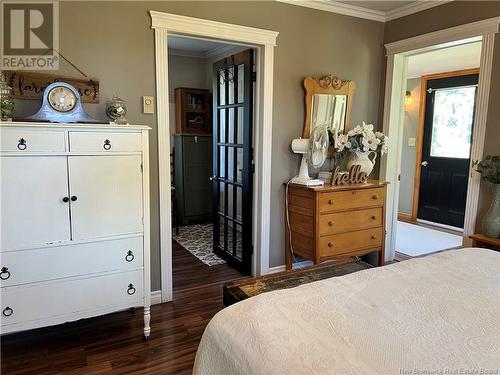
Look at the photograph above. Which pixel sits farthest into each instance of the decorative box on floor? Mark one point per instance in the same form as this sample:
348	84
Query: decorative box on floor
74	222
193	169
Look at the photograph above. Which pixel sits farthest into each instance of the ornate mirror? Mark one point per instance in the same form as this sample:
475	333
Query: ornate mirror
328	102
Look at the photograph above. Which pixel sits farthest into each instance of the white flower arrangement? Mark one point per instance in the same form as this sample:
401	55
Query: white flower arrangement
362	138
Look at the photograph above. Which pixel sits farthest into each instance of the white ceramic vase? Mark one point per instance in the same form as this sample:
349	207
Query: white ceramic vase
362	158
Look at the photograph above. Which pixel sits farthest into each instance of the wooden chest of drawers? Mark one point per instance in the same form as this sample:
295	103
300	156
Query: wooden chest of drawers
335	222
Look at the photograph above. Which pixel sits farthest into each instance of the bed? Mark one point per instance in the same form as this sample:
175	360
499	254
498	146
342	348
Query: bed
437	313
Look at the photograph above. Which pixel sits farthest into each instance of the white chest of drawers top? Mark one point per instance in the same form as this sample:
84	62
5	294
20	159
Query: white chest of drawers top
74	217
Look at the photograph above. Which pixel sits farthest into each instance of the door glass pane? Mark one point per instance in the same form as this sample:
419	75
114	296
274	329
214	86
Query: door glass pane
230	127
241	82
222	161
239	202
239	165
222	87
240	126
221	197
452	122
222	125
230	164
230	81
230	204
239	242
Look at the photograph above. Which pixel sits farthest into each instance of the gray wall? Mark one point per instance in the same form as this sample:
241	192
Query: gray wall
113	42
409	153
448	15
184	71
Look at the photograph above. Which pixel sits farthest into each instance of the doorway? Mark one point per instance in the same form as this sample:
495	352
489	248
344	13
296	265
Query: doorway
436	145
211	128
263	41
398	54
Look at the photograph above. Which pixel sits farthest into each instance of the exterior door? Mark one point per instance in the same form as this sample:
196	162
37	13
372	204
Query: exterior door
449	118
106	195
232	159
34	201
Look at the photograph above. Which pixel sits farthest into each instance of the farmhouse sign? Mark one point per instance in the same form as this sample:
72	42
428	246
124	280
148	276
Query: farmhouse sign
30	85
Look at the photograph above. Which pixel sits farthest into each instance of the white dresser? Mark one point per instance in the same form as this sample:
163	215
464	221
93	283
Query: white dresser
74	222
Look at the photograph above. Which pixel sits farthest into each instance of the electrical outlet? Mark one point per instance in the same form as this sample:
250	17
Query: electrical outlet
412	142
148	104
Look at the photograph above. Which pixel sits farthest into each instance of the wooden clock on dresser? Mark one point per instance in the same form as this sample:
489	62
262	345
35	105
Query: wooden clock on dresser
74	222
335	222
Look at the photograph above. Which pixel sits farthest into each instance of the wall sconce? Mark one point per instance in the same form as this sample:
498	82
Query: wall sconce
408	98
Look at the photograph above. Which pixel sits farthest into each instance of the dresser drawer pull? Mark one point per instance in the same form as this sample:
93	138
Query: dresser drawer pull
74	198
131	289
107	144
331	201
331	223
65	199
130	256
373	237
374	217
21	145
375	196
7	311
4	273
330	244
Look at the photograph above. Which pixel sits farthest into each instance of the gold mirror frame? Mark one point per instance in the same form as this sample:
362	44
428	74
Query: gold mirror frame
329	84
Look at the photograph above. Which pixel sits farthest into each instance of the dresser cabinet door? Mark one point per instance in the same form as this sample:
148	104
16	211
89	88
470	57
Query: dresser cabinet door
33	211
106	195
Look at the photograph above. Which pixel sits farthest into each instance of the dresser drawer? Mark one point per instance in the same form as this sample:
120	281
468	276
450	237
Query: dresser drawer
350	220
57	298
104	141
342	243
32	140
28	266
349	199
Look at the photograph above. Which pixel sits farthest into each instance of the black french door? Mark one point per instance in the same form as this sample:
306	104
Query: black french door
232	159
449	118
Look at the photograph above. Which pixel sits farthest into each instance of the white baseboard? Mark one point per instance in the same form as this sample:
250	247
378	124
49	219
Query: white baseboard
156	297
277	269
299	265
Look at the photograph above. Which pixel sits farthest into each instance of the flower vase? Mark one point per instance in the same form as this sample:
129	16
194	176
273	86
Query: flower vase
491	222
362	158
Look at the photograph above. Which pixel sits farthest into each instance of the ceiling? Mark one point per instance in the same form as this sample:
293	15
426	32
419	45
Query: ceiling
465	56
201	48
375	10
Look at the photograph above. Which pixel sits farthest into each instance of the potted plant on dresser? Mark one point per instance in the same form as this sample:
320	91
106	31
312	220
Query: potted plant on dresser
489	168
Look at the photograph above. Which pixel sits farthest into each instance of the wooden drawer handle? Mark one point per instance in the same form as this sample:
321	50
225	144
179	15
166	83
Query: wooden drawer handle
373	217
373	237
331	223
331	201
375	196
330	244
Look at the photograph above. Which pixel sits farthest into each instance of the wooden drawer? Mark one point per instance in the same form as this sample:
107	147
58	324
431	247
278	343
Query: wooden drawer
32	140
57	298
350	221
347	242
104	141
28	266
351	199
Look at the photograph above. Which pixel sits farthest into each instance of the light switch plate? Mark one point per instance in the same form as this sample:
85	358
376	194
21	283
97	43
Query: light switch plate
148	104
412	142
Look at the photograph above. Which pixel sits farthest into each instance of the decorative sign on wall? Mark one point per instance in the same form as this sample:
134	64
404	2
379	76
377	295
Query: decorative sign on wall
354	176
30	85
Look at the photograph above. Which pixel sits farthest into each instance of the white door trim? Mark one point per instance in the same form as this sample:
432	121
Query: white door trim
264	42
397	60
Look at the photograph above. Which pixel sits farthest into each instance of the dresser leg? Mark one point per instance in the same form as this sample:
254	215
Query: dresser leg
147	319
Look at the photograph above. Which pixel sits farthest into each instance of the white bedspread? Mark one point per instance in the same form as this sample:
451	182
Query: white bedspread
440	314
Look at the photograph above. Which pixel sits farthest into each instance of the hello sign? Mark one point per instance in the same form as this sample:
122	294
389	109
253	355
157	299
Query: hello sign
355	176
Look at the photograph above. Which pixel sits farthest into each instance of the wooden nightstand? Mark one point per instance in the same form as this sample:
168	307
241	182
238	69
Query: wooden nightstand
480	240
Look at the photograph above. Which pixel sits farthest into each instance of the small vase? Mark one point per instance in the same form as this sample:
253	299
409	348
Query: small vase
491	222
362	158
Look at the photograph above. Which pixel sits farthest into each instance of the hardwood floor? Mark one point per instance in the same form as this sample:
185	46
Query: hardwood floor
112	344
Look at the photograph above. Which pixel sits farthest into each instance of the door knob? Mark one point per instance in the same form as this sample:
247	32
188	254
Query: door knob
424	163
213	178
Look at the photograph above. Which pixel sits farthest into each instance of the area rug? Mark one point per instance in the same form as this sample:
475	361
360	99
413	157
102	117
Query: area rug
198	240
415	240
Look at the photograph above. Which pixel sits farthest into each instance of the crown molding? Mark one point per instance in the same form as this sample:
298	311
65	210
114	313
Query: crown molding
365	13
412	8
339	8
